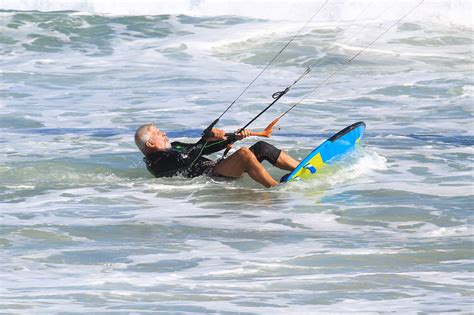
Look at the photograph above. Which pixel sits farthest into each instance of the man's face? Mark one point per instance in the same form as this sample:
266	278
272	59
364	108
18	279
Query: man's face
158	139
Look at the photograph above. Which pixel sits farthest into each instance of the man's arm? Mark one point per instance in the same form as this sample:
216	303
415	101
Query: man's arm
219	140
216	143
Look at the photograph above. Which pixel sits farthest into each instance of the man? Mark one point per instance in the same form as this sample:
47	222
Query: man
165	159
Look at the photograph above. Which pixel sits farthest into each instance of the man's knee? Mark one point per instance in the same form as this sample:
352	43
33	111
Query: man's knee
246	154
259	146
265	151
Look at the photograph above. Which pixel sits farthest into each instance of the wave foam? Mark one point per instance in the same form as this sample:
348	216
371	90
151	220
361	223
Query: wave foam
451	11
345	170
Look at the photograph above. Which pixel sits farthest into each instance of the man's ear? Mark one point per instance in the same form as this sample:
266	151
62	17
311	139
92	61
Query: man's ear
149	144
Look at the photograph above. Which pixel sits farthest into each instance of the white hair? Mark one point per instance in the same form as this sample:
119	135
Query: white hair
141	137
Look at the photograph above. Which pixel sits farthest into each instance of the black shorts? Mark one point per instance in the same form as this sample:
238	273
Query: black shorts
265	151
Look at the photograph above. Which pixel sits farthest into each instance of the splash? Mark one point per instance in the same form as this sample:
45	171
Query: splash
357	164
448	11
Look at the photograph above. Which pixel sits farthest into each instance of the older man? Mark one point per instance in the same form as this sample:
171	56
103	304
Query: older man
164	158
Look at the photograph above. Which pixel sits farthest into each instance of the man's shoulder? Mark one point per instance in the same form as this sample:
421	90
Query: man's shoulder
181	146
157	155
175	144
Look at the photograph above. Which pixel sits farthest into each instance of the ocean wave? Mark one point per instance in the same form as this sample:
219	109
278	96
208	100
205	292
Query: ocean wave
85	224
449	11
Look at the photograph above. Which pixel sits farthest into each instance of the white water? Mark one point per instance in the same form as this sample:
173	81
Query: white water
85	228
452	11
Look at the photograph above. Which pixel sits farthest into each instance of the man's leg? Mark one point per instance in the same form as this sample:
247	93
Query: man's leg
286	162
244	161
265	151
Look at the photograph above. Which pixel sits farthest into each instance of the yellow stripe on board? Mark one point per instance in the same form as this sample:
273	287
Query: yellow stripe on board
316	162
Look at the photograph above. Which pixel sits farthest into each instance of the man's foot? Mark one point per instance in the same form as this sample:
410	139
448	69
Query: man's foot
284	178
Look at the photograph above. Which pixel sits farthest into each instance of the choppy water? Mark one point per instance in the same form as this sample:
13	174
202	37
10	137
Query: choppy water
85	228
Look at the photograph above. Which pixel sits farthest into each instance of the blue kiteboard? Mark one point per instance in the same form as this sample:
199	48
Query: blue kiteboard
329	151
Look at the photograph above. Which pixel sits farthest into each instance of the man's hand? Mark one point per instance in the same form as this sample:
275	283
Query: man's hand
217	134
243	134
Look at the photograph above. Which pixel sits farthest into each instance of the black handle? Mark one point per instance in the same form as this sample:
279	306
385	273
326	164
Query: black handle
207	133
231	136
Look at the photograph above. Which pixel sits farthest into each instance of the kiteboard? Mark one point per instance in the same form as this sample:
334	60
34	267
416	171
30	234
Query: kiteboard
329	151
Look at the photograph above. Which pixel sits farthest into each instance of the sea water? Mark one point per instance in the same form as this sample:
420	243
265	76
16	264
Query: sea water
86	229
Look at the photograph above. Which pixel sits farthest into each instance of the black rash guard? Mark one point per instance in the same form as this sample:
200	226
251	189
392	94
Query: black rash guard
185	159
